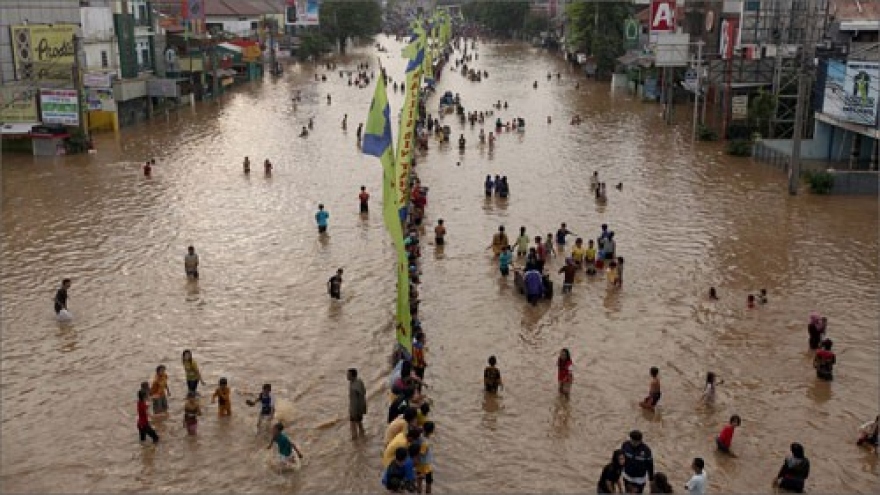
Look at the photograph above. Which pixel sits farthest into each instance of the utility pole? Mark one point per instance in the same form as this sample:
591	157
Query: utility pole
76	75
806	61
697	87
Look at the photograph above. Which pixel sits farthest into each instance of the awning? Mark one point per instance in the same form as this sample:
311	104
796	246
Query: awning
636	59
17	128
226	73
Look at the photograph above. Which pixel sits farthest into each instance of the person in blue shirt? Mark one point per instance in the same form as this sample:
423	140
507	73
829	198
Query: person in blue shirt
321	218
504	260
489	185
400	475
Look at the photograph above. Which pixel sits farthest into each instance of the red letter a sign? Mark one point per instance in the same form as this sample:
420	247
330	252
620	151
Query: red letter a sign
662	16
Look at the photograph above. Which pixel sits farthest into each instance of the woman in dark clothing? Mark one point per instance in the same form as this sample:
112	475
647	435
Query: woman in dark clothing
794	471
610	478
660	484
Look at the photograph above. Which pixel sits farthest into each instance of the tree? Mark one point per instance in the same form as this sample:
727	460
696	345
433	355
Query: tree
598	29
502	18
341	20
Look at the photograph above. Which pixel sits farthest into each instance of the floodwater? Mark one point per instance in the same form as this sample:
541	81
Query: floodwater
687	218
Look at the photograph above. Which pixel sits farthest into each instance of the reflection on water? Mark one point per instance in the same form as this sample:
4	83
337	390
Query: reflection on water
687	218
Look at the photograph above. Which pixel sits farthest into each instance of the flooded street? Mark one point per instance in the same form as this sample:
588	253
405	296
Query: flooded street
687	218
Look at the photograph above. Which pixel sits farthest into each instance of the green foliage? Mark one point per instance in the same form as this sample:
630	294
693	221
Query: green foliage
534	24
77	142
705	133
312	44
502	18
820	182
597	28
739	147
761	110
341	19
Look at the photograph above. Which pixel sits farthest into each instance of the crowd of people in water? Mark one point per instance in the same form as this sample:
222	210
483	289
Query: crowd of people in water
407	454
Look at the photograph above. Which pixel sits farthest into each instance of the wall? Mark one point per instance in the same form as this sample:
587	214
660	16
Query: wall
133	111
98	36
856	183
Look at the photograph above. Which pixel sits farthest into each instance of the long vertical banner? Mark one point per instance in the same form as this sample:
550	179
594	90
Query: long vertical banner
379	143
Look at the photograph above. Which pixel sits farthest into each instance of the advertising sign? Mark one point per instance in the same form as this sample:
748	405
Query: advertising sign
306	13
852	91
59	106
662	16
100	99
728	33
18	104
96	80
739	107
194	10
41	52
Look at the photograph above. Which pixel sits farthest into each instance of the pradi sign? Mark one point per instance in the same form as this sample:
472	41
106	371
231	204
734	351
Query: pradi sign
662	16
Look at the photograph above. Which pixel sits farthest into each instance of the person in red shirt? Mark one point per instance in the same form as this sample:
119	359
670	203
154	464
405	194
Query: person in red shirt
143	421
725	438
824	361
148	169
364	198
564	374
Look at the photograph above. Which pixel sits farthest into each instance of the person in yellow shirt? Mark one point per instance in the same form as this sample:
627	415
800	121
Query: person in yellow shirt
499	240
590	258
578	252
401	440
222	397
401	424
159	391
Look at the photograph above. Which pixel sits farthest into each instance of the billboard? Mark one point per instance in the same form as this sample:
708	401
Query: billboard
662	16
42	52
18	104
194	10
729	37
302	13
59	106
852	90
100	99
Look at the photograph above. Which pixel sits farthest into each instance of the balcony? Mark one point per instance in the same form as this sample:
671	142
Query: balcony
143	30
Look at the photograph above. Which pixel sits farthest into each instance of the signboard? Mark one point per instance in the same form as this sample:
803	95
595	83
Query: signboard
631	30
100	99
194	10
662	16
852	91
739	107
41	52
19	104
59	106
303	13
166	88
729	34
672	50
97	80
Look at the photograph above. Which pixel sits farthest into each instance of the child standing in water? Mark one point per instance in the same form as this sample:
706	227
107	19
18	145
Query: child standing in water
143	421
191	412
708	396
267	405
548	246
222	397
492	377
564	374
654	393
424	469
159	391
504	260
193	375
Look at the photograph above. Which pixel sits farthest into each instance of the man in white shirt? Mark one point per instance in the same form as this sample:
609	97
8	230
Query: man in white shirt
697	483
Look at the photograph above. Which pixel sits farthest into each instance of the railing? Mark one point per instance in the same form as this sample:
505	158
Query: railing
774	157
